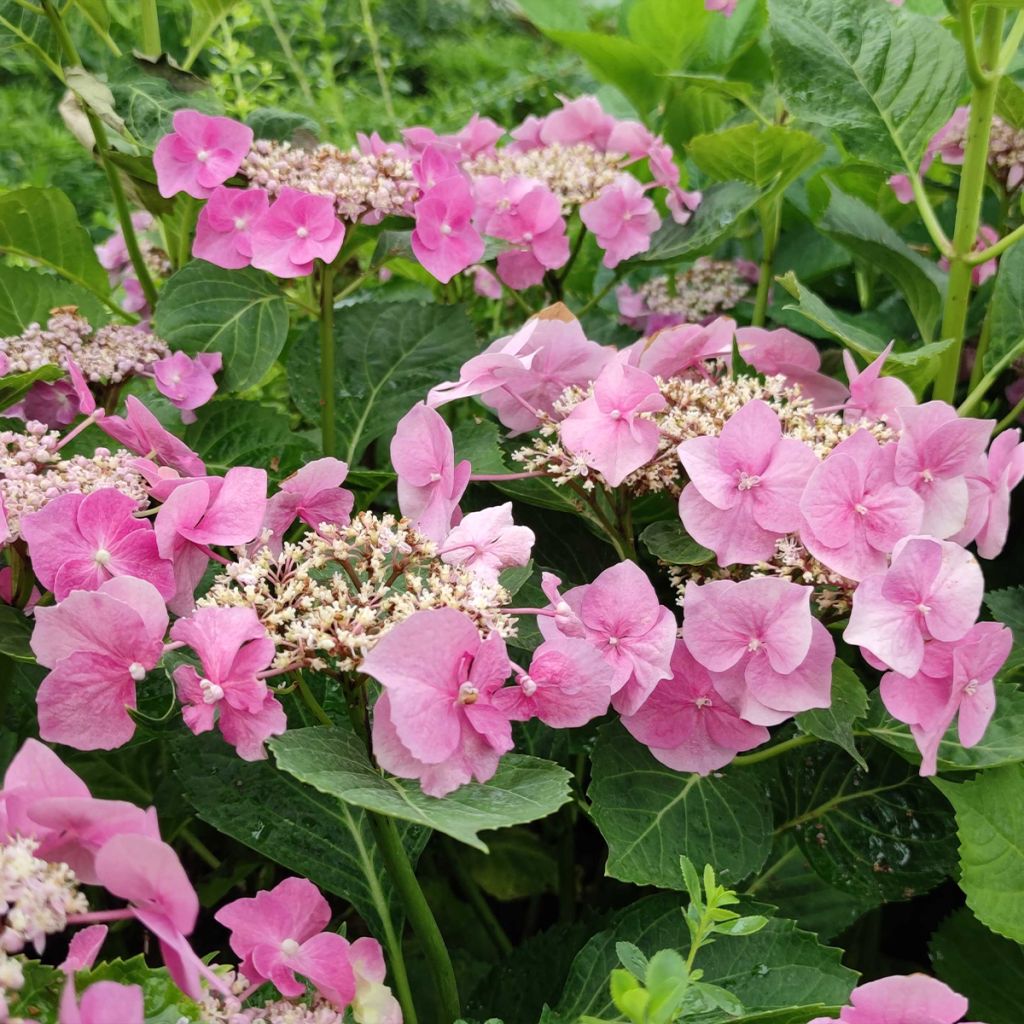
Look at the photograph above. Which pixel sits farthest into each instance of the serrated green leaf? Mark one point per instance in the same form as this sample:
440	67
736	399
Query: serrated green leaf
28	296
334	761
239	313
672	544
15	386
1007	607
147	100
650	814
163	1001
835	723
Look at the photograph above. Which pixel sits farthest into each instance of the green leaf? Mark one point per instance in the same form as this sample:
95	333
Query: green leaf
884	81
20	24
649	815
969	958
668	541
334	761
388	355
550	15
147	95
835	723
40	224
1007	308
28	296
517	865
990	824
15	386
863	231
1010	102
15	630
163	1001
767	158
1007	607
668	30
882	834
723	205
775	968
316	836
39	997
239	313
283	125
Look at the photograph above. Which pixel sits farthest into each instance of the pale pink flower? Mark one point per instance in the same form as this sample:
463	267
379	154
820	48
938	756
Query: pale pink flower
485	284
768	655
187	381
672	351
681	204
436	163
35	773
567	684
946	143
430	483
873	396
373	1002
297	230
103	1002
83	948
901	999
745	485
54	404
608	430
794	357
201	153
620	615
687	724
936	449
437	720
313	494
622	218
281	932
933	589
477	135
98	644
78	541
141	432
853	510
955	681
487	542
113	252
727	7
444	239
225	225
578	120
233	648
989	485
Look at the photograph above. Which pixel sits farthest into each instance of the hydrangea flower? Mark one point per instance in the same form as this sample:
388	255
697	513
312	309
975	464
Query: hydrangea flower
201	153
225	226
906	999
141	432
487	542
444	239
988	487
187	381
297	230
623	218
872	396
313	494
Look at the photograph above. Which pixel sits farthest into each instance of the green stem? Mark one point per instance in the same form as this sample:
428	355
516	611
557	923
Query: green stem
927	212
476	899
378	64
978	393
150	37
202	851
1010	418
978	76
616	277
289	54
327	424
99	132
978	369
777	751
968	207
771	220
997	248
312	703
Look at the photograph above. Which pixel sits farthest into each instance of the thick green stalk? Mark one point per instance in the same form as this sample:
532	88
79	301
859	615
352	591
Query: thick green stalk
767	753
150	34
771	219
327	384
968	207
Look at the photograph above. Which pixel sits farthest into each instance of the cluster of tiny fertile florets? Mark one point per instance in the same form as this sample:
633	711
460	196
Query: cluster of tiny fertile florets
36	896
109	354
708	287
576	174
360	183
218	1009
33	473
1006	151
327	599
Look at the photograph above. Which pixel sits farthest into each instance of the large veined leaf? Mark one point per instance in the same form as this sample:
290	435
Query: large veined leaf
27	296
835	723
316	836
777	967
147	101
768	158
881	833
163	1001
968	957
40	224
990	824
1007	607
239	313
22	25
866	234
668	541
650	815
884	81
334	761
387	356
1007	309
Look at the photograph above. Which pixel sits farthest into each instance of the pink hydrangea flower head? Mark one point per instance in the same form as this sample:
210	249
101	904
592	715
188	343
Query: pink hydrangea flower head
373	1002
902	999
98	644
187	380
527	134
853	510
794	357
687	724
745	485
631	138
201	153
578	120
297	230
672	351
608	430
430	483
444	239
281	932
933	589
485	284
477	135
769	657
233	648
225	226
872	396
989	486
437	720
103	1002
620	615
313	494
78	541
141	432
436	163
487	542
567	684
936	449
622	218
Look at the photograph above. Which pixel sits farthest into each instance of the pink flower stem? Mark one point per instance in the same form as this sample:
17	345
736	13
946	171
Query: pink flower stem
479	478
207	550
99	916
84	425
270	673
173	646
529	611
213	978
522	401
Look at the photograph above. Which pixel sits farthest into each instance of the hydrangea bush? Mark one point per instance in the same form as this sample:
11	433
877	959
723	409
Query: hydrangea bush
542	572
